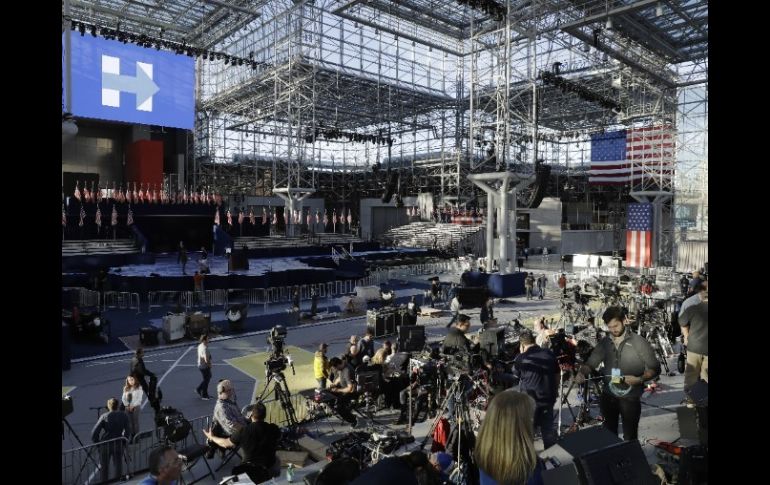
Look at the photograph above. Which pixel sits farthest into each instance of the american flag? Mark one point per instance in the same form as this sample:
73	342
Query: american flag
229	218
114	216
409	212
240	217
317	218
77	191
275	216
350	218
63	216
98	217
82	216
334	220
617	157
309	219
130	219
639	236
285	216
326	218
216	216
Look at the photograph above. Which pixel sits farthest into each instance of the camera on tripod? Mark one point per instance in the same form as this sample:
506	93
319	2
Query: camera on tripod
278	361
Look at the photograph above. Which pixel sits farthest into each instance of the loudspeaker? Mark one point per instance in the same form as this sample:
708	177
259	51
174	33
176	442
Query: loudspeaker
693	466
564	475
620	464
148	335
579	443
472	296
688	422
542	174
391	187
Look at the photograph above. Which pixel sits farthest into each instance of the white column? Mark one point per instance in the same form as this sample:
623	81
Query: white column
490	228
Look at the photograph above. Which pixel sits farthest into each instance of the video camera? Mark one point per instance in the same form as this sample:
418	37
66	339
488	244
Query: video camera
278	361
174	424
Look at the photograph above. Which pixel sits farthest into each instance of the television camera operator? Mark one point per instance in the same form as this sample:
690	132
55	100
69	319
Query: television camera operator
456	341
258	441
344	388
538	374
629	360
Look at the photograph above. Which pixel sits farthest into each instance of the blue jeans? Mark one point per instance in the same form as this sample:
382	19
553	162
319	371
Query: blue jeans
203	387
544	421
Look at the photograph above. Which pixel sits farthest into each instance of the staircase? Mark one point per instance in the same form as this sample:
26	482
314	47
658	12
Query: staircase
424	234
88	247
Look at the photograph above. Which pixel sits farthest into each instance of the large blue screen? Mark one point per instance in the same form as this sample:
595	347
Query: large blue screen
125	82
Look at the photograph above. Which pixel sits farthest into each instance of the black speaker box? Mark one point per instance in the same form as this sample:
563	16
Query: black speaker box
148	335
472	296
492	340
564	475
238	260
620	464
579	443
693	466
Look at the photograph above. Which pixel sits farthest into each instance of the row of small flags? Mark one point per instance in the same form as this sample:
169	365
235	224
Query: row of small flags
296	217
142	195
98	218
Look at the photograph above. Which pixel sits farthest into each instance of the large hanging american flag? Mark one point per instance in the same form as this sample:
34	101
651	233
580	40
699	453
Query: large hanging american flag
82	216
130	219
630	156
639	236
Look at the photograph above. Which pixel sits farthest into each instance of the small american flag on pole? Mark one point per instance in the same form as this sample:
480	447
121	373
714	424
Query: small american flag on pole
639	236
326	218
114	216
350	218
240	217
229	218
317	218
216	216
63	216
98	217
82	216
130	219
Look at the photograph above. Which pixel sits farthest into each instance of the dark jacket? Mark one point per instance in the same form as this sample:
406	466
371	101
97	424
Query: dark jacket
115	425
138	369
634	357
538	372
455	341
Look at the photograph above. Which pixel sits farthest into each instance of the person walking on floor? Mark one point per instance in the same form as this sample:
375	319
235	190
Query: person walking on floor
204	365
182	257
541	281
529	283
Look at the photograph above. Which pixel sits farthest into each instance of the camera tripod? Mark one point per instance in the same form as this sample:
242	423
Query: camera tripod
583	417
282	395
462	424
66	423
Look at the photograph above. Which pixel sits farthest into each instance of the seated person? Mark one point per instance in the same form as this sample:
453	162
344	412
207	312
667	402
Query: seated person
227	418
344	387
258	441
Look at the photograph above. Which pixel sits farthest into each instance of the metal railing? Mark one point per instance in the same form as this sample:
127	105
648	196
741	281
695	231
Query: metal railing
84	465
121	300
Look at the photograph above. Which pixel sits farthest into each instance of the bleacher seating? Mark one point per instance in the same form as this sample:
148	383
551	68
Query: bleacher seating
423	235
86	247
321	239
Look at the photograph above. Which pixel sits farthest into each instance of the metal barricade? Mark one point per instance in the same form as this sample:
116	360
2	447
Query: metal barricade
85	464
304	292
156	299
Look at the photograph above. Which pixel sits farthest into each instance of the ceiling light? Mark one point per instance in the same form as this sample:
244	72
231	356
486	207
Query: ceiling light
608	25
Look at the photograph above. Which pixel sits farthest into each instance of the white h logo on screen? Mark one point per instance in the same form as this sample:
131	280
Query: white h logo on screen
113	83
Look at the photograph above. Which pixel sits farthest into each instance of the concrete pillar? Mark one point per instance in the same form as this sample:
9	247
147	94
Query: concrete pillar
490	228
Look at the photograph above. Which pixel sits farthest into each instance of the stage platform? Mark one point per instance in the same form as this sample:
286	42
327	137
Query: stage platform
162	272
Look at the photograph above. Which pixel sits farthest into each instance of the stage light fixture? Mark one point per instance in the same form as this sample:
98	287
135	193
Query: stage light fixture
608	25
659	10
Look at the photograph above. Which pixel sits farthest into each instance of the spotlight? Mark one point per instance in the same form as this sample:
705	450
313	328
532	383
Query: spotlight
608	25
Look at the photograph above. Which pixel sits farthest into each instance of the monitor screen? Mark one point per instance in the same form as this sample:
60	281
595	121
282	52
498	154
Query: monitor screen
124	82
